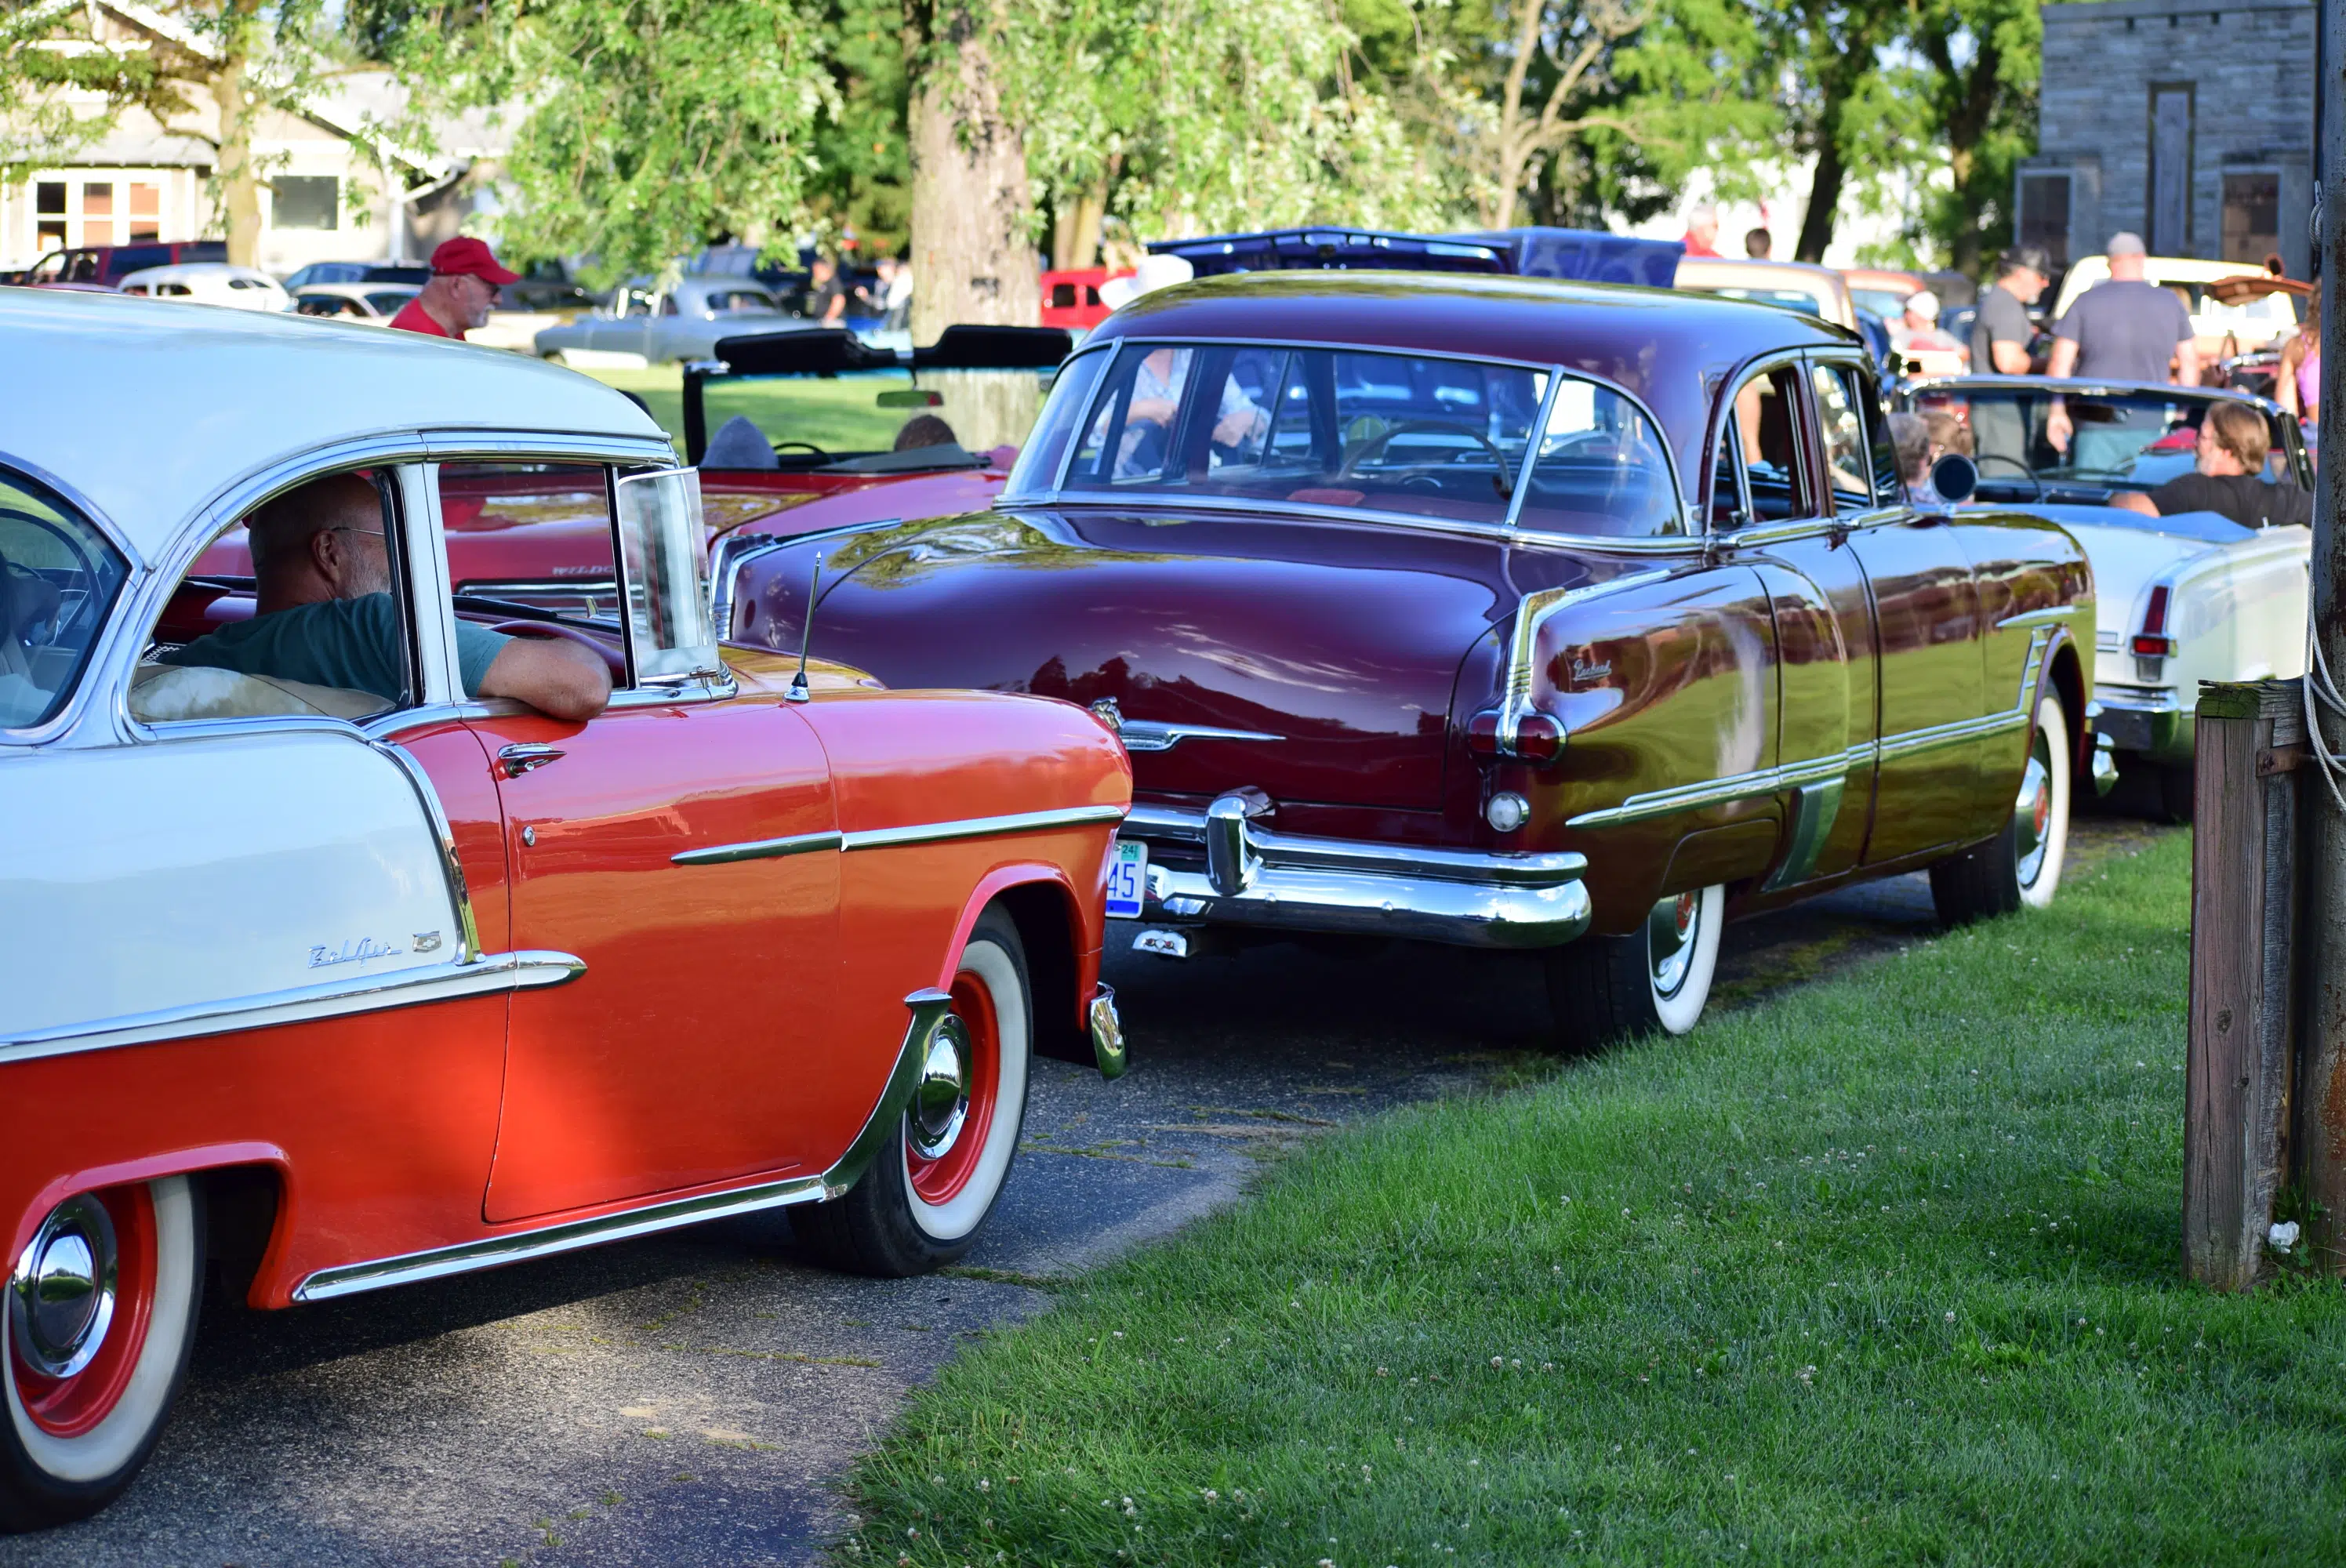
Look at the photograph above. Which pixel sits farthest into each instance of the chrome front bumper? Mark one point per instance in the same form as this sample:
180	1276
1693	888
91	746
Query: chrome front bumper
1281	882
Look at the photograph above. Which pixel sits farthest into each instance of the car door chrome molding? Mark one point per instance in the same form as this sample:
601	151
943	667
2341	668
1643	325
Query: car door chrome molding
929	1010
2052	615
980	827
480	976
760	849
1821	769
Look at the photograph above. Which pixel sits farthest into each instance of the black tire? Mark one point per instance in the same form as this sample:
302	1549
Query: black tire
49	1473
908	1215
1656	980
2020	866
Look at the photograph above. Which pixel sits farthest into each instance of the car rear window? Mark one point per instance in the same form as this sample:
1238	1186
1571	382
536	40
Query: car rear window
1428	436
58	577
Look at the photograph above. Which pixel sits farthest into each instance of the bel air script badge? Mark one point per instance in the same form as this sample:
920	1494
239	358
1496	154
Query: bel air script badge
358	952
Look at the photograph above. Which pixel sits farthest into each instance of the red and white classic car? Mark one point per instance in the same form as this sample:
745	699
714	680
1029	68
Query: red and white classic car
339	987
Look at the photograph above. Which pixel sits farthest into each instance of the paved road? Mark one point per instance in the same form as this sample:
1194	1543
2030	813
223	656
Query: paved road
686	1401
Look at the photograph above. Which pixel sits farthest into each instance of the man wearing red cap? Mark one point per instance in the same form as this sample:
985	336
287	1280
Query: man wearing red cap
465	279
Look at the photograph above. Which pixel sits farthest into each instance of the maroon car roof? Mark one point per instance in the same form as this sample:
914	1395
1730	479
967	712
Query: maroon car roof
1661	345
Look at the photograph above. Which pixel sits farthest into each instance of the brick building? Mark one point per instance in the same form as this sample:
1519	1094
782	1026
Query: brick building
2187	121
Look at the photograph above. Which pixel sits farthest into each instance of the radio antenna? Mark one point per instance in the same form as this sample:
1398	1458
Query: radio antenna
798	691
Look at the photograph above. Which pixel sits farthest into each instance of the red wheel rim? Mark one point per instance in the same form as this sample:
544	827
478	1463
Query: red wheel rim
939	1180
69	1407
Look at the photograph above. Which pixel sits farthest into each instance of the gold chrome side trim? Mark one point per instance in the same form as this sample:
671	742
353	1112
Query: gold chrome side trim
760	848
980	827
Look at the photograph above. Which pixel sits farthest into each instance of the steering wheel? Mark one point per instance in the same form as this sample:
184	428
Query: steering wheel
1985	458
88	568
1377	444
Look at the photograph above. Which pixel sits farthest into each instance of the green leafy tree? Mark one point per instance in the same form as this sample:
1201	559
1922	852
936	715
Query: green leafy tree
646	127
1986	59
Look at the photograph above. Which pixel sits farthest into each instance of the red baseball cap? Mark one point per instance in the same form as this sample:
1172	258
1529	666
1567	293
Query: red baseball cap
458	256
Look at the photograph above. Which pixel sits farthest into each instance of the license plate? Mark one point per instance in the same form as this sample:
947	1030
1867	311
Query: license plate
1127	879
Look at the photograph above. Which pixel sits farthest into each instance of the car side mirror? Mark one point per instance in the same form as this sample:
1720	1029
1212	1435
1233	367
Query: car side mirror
1955	477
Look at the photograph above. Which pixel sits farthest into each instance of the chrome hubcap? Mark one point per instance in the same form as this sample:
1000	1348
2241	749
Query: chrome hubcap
940	1099
2031	812
1669	941
61	1296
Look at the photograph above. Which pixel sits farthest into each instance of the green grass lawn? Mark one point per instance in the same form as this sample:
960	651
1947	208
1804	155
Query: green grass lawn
1882	1272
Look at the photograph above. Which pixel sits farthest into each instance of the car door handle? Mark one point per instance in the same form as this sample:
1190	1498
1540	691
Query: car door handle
515	761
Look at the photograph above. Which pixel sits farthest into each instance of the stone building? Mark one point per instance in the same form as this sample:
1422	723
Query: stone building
2187	121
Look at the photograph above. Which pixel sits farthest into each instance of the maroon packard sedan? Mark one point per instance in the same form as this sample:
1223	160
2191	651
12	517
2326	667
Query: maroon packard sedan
1496	612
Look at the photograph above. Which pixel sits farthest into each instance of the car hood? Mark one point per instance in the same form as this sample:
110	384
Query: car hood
1331	650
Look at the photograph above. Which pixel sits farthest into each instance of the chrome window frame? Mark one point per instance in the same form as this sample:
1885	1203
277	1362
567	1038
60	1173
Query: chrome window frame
1060	495
1897	508
1723	411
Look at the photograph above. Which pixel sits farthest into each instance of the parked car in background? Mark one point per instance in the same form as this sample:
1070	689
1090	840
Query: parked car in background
373	303
1585	255
1071	299
210	283
415	274
2250	324
2185	598
1491	611
423	985
646	324
105	265
1882	291
1818	291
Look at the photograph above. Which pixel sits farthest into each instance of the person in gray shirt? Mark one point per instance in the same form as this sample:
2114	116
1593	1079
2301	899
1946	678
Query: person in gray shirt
2125	329
2000	337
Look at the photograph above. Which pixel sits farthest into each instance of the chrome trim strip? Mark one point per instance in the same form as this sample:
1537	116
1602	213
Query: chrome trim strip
980	827
494	972
929	1009
727	558
2051	616
1275	850
1521	486
1534	611
1914	742
450	866
1814	809
2138	700
443	443
1312	512
1149	734
686	691
760	848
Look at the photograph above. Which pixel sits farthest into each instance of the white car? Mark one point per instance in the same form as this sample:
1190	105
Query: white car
646	325
2251	325
209	283
2186	598
373	303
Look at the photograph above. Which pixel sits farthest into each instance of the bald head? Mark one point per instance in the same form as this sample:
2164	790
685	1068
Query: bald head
324	541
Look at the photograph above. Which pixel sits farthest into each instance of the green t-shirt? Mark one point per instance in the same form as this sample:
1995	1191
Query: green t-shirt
352	644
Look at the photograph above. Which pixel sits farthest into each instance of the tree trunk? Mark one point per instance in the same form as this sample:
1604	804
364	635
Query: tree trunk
239	181
1076	233
1824	194
972	256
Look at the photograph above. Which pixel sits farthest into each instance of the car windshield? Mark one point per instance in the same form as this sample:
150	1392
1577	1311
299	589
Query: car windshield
1424	435
2113	440
390	302
880	419
1797	298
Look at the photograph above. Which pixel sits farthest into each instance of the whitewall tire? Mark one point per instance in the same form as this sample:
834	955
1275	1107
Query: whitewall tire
1654	979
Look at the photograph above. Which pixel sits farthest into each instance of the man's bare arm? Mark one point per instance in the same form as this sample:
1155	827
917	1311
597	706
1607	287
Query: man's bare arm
2011	359
2135	501
2187	362
2064	361
557	676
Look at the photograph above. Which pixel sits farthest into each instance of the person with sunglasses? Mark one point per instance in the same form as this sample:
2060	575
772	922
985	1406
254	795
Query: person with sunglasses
324	614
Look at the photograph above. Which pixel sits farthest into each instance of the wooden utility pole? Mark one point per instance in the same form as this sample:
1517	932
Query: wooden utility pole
2322	1079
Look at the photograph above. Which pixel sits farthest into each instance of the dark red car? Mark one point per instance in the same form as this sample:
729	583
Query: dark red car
1491	611
107	265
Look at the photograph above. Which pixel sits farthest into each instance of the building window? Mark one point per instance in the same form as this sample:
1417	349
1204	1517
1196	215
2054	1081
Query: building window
2169	222
305	201
2044	214
98	212
145	213
49	215
2251	216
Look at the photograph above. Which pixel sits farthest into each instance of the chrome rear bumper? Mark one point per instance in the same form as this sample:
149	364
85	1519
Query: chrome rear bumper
1283	881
